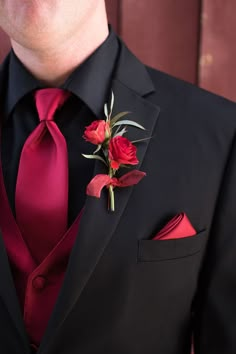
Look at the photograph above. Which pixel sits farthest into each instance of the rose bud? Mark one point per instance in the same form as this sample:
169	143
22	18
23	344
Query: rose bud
121	151
97	132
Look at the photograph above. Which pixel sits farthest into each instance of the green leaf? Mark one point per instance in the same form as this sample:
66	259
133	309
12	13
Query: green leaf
121	133
98	148
105	110
112	101
129	122
117	117
95	157
137	141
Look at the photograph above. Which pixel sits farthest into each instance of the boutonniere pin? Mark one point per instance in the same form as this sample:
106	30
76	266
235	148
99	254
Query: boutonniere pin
115	151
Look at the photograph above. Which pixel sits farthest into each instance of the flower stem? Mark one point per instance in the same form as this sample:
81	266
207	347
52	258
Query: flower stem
111	192
112	198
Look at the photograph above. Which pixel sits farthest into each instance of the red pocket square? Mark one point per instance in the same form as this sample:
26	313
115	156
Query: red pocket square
178	227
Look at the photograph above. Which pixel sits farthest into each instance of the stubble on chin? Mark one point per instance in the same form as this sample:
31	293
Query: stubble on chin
25	17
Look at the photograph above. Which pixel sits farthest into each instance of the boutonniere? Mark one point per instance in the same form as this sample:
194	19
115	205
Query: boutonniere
115	151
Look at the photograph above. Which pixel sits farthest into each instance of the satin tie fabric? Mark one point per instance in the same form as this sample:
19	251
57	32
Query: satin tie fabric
41	198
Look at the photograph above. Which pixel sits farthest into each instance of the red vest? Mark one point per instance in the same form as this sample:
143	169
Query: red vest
37	286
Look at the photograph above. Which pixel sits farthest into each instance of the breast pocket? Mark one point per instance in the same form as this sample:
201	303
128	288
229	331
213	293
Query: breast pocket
160	250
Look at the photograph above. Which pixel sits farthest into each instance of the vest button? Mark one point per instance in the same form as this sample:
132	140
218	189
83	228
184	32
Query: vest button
39	282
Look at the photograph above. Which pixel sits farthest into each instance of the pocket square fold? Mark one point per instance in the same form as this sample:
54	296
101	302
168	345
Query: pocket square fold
178	227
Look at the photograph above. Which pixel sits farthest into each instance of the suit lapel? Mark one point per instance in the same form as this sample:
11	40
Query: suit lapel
98	224
7	288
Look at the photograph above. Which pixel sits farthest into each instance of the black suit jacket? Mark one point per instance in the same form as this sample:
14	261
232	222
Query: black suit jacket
123	292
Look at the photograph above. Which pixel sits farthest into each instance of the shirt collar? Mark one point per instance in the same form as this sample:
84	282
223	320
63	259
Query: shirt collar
91	81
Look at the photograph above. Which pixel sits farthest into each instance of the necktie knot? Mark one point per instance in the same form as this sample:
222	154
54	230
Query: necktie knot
48	101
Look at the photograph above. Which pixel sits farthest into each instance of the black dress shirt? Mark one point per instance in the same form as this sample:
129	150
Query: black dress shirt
90	85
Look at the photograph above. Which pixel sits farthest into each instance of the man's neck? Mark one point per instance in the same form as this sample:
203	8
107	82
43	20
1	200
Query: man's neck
52	66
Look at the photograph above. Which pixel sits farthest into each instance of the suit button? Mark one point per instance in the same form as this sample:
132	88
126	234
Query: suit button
39	282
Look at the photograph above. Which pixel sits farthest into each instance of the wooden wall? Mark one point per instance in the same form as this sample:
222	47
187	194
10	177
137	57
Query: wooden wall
161	34
217	70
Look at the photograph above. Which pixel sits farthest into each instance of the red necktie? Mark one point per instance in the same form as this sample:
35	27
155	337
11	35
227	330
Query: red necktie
41	198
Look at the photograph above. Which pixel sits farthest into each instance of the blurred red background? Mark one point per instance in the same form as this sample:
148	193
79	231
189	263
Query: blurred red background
190	39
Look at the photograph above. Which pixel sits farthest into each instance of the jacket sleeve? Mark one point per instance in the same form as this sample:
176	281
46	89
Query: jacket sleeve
214	318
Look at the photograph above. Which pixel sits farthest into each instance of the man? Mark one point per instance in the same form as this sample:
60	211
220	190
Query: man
113	282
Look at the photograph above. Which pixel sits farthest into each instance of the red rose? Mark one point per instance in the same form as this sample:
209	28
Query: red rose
97	132
122	151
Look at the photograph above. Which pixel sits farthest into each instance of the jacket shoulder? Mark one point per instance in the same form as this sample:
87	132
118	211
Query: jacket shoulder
174	91
189	114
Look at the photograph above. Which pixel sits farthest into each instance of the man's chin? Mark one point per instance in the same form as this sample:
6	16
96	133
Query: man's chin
37	42
26	14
